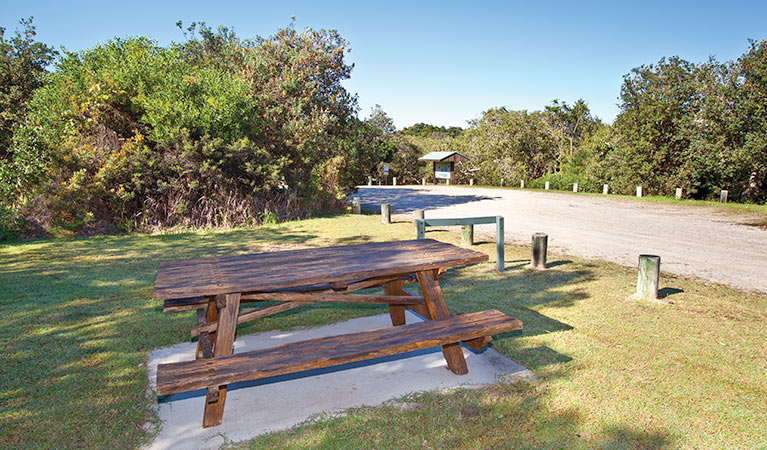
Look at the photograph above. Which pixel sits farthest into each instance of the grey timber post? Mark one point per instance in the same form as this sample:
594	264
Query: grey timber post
471	182
649	273
394	181
447	182
370	180
502	181
467	234
522	184
540	247
678	194
356	206
423	181
418	214
605	189
575	187
499	256
640	191
546	186
420	229
723	196
385	213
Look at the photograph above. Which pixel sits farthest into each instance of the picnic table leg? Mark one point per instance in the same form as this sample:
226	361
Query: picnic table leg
397	312
227	323
435	303
206	342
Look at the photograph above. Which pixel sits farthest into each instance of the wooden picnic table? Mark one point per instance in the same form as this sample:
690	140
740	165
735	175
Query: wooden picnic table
215	288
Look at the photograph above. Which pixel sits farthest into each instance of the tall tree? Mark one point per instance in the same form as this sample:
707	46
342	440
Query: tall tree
573	123
22	70
658	102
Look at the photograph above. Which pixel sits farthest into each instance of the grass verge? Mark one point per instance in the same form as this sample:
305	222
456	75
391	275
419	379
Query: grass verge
687	372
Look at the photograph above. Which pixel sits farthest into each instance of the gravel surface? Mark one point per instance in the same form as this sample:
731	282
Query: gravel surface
701	242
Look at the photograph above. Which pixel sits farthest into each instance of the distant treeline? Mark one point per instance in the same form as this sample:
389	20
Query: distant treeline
220	131
701	127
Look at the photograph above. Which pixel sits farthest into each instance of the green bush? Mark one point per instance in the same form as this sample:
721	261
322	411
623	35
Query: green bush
212	132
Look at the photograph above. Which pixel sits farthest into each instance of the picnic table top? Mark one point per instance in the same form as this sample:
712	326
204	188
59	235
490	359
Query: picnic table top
293	268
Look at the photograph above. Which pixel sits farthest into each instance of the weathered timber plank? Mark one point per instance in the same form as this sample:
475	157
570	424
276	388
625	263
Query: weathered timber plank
418	309
435	304
248	316
216	394
184	304
265	271
192	303
397	311
329	351
336	297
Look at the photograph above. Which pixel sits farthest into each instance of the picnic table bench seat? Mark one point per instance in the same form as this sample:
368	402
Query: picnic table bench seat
329	351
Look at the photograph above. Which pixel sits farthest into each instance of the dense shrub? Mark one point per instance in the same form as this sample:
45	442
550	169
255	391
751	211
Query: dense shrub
212	132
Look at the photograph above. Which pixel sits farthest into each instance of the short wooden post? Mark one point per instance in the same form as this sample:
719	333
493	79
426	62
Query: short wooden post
467	234
420	229
423	181
370	180
502	180
385	213
575	187
471	181
723	196
678	194
540	247
605	189
499	241
546	186
356	206
447	181
649	273
394	181
522	184
418	214
640	191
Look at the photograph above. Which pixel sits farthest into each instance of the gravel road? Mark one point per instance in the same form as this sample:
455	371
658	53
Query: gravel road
702	242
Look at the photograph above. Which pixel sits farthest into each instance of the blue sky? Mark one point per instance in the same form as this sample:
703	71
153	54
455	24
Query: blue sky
445	62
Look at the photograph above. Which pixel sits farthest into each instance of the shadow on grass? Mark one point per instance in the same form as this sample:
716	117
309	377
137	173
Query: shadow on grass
668	291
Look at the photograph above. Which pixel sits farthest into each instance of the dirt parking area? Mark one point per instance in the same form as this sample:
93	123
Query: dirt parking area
703	242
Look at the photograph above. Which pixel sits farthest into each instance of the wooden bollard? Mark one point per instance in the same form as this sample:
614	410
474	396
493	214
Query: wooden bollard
640	191
394	181
522	184
502	180
575	187
418	214
370	180
356	206
385	213
447	181
678	194
540	247
423	181
467	234
546	186
649	273
605	189
723	196
471	182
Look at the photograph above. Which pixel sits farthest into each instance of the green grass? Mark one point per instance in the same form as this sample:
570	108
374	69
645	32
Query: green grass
613	372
